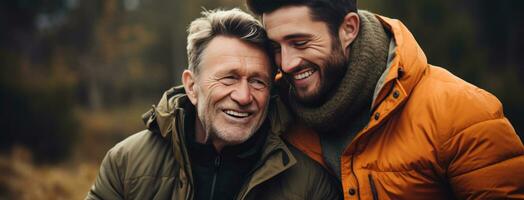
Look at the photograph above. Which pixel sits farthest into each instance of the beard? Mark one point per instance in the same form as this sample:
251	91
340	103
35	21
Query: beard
333	71
229	135
234	136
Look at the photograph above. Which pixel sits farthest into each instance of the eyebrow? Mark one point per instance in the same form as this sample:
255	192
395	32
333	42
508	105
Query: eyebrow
237	71
296	35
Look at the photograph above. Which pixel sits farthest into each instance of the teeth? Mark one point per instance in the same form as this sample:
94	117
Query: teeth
237	114
303	75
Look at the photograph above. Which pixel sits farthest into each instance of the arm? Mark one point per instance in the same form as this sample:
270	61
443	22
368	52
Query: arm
109	182
486	161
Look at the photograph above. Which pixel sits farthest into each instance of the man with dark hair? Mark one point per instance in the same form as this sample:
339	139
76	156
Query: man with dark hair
211	138
367	105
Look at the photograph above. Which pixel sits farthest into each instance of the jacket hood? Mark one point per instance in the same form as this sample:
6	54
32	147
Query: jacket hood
159	118
409	61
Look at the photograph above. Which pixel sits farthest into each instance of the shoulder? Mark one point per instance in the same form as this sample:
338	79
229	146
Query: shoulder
139	167
453	103
137	143
467	121
140	151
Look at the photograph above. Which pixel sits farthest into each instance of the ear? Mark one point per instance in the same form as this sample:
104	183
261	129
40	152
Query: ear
349	28
188	79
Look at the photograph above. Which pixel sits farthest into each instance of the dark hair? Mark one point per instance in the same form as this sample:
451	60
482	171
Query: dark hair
330	11
235	23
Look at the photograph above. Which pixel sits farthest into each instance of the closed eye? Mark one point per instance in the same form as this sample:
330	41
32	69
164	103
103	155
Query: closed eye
228	80
299	43
258	84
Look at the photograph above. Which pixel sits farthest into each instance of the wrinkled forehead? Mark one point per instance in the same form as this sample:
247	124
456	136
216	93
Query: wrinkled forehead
234	55
241	66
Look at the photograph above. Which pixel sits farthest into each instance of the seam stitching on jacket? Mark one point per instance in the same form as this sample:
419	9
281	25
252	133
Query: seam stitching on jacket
510	158
461	132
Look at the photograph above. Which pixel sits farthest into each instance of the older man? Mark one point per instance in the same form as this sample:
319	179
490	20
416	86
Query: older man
372	110
211	139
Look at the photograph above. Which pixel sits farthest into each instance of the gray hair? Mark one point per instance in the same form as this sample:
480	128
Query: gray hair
234	22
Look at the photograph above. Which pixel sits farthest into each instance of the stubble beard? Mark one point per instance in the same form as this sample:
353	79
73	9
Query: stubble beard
226	135
335	68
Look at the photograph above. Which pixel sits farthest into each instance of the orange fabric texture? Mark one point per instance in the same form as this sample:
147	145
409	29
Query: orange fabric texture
431	136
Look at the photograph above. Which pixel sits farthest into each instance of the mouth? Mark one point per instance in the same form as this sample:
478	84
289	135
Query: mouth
304	74
237	114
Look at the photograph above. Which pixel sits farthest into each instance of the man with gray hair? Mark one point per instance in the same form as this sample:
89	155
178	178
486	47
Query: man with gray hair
215	137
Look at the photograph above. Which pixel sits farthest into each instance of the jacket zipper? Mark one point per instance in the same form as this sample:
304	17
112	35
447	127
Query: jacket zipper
218	161
373	187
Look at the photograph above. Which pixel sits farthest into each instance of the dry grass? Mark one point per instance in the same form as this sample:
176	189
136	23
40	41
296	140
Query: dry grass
21	179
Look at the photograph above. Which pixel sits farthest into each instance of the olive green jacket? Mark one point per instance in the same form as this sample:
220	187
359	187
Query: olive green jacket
154	163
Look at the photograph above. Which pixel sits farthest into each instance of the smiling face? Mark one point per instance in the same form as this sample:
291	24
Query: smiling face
230	91
307	53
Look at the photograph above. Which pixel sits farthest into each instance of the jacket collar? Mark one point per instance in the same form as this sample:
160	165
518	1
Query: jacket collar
408	62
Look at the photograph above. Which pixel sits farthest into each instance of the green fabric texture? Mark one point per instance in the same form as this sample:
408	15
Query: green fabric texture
155	163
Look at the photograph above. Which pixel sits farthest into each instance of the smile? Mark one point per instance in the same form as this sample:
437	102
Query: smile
304	75
237	114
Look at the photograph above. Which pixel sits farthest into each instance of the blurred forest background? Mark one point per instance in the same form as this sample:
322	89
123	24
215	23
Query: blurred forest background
75	75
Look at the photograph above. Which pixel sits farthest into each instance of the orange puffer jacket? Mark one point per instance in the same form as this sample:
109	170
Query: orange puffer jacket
431	136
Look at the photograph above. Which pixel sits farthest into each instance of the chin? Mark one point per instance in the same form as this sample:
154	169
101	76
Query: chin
312	98
232	136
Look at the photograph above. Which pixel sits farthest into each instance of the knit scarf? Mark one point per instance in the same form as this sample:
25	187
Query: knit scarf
367	61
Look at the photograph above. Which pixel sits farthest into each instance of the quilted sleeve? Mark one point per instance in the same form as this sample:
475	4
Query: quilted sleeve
486	161
108	183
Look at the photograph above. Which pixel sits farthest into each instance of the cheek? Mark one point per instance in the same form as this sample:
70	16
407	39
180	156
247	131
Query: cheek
218	94
319	54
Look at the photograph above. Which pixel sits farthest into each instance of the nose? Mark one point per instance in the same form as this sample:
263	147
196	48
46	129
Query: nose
242	94
289	60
